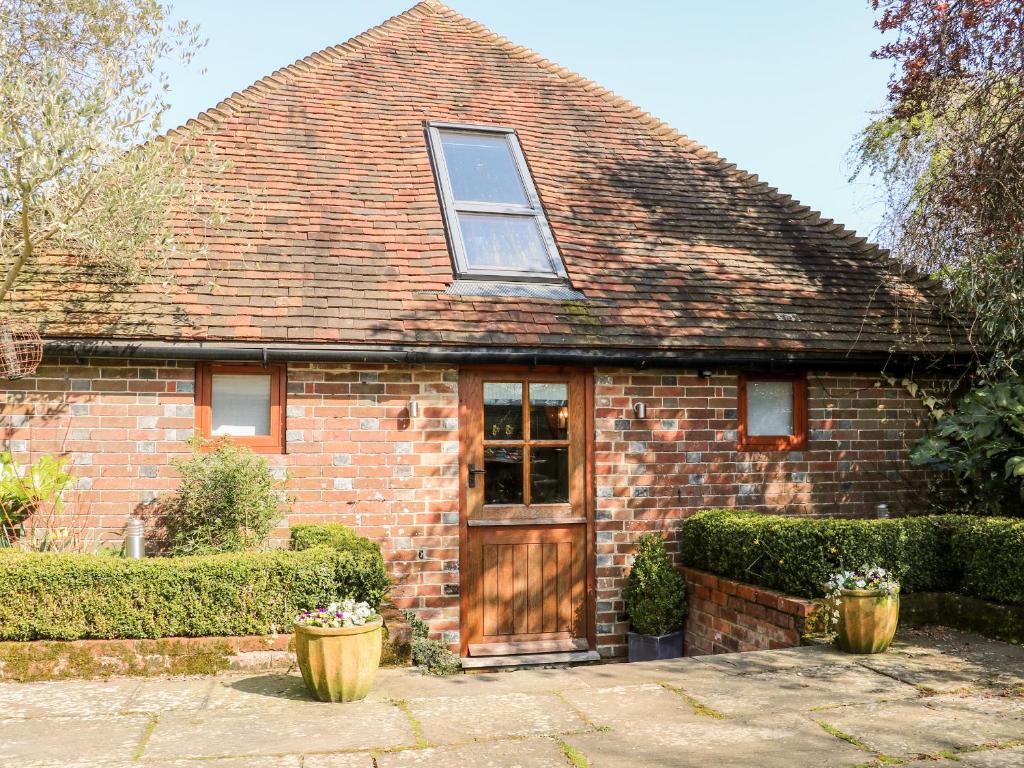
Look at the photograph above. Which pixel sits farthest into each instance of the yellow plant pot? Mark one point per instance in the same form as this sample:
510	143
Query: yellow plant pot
867	620
339	664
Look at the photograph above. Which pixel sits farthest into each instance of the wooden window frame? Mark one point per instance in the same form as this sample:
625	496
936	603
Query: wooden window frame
272	443
451	208
793	442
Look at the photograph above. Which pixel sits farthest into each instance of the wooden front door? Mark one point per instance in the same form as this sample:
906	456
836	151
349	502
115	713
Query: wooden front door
526	512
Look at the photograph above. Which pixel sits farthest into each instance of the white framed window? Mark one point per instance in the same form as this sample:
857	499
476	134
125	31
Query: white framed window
496	224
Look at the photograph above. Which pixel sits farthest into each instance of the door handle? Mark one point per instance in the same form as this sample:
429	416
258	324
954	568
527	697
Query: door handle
473	472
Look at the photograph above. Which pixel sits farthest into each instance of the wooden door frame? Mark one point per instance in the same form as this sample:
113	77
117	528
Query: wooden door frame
590	590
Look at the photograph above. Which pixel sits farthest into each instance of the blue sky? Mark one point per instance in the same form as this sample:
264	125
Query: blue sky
779	88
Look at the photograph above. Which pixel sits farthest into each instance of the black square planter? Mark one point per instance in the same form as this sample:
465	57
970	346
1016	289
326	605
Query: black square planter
654	647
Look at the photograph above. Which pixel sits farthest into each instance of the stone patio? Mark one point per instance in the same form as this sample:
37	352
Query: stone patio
939	698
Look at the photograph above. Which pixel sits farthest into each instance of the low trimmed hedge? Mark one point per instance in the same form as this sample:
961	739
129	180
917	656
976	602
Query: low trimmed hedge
51	596
983	557
990	551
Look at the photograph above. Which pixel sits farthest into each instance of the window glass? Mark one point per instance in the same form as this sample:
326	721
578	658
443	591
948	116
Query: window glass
508	242
769	408
503	476
549	411
240	405
549	475
503	411
482	169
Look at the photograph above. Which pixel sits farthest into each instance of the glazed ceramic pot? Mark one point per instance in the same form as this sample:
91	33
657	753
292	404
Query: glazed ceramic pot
339	664
867	620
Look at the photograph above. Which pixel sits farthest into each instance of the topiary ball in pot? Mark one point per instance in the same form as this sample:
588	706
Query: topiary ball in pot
655	597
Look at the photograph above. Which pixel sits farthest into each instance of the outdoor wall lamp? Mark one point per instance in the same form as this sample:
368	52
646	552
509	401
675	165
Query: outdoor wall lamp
414	409
640	409
704	374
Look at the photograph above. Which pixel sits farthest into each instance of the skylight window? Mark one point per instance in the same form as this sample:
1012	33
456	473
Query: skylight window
496	224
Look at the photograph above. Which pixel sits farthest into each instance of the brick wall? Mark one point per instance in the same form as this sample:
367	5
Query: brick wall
354	457
651	473
727	616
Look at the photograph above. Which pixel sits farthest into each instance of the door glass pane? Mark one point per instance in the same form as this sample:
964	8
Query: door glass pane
240	405
501	241
482	169
549	411
503	411
770	408
549	475
503	481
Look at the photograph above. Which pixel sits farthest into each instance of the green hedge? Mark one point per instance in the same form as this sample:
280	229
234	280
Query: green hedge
51	596
796	555
990	551
367	579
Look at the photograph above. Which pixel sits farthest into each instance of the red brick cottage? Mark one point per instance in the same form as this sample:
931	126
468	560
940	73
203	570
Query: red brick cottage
496	318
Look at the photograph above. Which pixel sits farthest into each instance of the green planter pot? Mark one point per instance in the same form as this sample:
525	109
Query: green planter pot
867	620
339	664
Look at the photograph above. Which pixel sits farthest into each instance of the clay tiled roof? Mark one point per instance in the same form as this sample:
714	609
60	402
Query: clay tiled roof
671	246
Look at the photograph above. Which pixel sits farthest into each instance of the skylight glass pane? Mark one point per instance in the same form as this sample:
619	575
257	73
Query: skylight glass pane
769	408
482	169
240	405
494	241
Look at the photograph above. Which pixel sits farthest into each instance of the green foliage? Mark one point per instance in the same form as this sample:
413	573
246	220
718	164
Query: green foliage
981	443
368	580
979	556
420	629
991	552
227	502
22	491
71	597
655	593
433	657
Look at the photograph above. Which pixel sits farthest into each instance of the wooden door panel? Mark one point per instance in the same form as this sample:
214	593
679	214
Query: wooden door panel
527	570
531	581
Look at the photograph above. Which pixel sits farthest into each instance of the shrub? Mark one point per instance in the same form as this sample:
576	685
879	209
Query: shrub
991	551
797	555
368	578
655	593
980	442
227	502
71	597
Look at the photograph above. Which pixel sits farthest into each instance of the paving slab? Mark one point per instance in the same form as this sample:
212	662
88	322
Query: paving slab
922	727
756	662
993	758
66	698
779	742
64	740
453	720
352	760
262	691
411	684
160	695
518	753
796	690
320	727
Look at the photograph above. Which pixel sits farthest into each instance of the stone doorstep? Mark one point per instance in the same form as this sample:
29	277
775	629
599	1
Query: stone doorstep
86	659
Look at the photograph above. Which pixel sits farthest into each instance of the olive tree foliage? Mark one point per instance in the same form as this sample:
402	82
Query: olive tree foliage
949	150
82	93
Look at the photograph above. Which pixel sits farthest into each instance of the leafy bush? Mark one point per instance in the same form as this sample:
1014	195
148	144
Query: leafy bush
991	551
430	656
227	502
368	581
31	504
655	593
71	597
980	556
980	443
797	555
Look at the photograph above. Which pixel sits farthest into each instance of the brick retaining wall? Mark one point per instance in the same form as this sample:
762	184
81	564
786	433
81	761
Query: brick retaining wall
727	616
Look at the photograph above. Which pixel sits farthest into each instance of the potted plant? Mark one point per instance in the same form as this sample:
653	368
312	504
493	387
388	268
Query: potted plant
338	649
655	597
866	608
